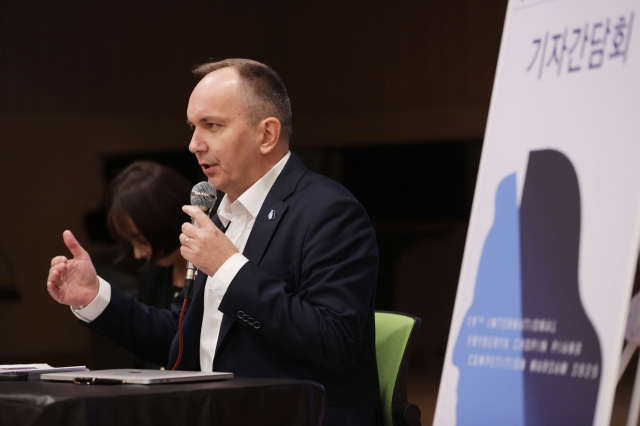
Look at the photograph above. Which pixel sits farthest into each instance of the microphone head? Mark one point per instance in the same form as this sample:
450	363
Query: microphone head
204	194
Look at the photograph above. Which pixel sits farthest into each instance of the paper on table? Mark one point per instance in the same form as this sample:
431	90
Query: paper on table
35	370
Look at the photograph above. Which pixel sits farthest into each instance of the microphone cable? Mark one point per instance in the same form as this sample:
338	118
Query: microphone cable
179	358
204	196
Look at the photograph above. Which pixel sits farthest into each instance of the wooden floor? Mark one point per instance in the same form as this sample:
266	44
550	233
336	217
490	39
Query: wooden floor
422	389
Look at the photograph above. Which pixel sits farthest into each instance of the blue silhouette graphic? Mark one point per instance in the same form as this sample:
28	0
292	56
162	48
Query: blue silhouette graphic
486	355
527	352
561	383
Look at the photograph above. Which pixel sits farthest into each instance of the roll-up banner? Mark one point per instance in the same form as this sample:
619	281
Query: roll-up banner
552	247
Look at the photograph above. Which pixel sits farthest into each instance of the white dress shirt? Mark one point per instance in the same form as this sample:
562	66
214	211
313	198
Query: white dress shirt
239	216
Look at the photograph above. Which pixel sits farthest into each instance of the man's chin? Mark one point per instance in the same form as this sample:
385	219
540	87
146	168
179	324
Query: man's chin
216	182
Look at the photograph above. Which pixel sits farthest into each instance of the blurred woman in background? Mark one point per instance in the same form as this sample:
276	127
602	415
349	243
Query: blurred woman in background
144	214
144	204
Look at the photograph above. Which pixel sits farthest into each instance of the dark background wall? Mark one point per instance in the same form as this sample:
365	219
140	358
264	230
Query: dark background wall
389	98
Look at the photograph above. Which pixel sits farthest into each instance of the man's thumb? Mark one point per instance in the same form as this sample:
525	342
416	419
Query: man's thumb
74	246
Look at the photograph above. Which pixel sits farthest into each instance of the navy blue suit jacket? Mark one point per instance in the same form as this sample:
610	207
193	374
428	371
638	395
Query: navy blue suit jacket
302	307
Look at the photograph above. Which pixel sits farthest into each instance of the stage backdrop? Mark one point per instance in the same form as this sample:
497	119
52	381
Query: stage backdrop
546	279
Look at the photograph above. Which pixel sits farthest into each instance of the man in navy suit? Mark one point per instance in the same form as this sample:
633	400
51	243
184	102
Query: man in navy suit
287	268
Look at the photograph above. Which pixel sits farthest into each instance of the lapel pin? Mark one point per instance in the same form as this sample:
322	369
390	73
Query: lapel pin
272	215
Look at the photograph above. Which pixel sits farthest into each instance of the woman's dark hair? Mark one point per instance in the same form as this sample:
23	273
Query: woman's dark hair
153	196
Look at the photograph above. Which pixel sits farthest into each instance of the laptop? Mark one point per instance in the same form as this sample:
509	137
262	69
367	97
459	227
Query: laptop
134	376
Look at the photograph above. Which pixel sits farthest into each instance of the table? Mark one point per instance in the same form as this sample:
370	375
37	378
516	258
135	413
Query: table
227	402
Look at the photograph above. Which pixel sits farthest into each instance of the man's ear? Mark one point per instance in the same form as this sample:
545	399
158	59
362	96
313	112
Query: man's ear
270	134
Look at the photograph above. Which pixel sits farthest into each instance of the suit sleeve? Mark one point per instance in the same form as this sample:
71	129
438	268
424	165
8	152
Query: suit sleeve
144	330
323	318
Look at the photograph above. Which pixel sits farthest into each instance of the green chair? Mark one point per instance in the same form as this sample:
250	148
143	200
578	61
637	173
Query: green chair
395	335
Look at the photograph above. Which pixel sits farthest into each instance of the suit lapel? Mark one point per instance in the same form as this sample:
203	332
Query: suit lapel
216	220
273	209
264	227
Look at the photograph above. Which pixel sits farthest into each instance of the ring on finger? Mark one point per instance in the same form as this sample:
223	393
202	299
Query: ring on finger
187	240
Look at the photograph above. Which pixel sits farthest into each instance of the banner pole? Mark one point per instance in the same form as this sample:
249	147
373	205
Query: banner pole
627	353
634	407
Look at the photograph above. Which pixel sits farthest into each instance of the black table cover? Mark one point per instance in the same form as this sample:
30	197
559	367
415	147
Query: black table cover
229	402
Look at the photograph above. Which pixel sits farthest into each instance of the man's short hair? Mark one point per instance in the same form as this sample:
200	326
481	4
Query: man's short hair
266	95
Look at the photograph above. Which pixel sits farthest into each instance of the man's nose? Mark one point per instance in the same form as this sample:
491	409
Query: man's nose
196	144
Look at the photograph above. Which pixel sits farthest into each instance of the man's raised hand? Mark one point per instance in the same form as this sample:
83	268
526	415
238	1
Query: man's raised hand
74	281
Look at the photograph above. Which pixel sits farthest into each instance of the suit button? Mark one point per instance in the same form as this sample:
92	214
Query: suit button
240	314
256	325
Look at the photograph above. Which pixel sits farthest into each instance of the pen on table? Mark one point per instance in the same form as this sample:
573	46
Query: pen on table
97	381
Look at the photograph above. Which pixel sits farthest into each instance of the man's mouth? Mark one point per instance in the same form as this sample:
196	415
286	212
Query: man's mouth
206	167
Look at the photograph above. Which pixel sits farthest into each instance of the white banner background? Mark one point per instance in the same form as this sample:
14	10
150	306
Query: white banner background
593	117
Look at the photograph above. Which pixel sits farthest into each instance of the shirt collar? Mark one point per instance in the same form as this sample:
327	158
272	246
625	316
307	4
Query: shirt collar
253	198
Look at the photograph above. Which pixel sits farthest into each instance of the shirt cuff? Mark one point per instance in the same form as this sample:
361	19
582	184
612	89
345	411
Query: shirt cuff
220	281
97	306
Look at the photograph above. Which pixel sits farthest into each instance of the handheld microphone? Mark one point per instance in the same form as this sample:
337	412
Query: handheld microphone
203	195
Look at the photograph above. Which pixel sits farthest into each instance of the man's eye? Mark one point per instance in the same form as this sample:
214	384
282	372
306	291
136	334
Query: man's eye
212	125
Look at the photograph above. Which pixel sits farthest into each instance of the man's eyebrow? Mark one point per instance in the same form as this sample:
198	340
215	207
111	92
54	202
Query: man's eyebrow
205	119
208	118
